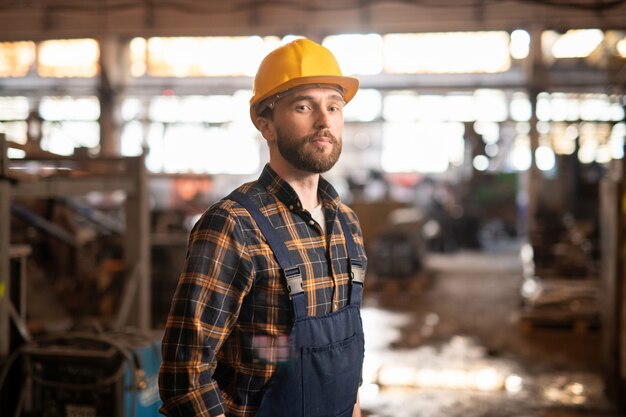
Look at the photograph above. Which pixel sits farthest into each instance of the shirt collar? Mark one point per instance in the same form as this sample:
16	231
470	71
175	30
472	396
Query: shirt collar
275	185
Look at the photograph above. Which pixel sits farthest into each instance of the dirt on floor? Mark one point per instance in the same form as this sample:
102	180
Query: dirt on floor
452	341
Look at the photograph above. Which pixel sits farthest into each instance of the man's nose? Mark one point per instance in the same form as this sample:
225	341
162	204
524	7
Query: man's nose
322	119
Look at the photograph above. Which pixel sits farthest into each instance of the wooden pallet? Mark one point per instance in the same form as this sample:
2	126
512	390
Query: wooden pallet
558	321
413	285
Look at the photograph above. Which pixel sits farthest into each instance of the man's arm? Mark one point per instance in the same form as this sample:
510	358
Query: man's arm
205	307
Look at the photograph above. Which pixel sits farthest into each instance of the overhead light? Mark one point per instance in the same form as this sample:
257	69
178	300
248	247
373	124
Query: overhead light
16	58
68	58
578	43
447	53
520	44
621	47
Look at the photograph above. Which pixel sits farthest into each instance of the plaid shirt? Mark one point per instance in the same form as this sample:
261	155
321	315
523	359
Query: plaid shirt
231	316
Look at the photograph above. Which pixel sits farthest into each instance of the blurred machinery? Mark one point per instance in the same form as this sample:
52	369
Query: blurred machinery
104	374
473	214
74	248
562	286
86	222
552	302
398	252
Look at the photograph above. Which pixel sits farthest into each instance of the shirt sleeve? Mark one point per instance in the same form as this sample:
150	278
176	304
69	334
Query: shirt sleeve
216	276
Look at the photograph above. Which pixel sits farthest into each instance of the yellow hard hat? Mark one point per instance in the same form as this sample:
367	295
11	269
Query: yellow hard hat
298	63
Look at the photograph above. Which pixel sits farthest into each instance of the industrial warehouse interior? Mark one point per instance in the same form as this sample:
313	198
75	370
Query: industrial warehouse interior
483	155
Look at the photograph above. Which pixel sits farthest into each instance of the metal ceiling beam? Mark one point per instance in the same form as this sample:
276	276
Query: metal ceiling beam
559	80
130	18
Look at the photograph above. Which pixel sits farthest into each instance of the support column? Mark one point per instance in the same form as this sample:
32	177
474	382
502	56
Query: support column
114	78
537	81
613	267
534	175
137	247
5	261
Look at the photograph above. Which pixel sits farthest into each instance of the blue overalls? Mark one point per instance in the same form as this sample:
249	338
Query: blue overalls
322	375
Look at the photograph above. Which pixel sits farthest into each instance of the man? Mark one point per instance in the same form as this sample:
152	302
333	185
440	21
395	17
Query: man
265	320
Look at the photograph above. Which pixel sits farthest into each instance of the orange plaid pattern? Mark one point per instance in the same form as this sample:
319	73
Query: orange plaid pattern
230	319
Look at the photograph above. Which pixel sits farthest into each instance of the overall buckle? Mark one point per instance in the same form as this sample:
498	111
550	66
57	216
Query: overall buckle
294	281
357	272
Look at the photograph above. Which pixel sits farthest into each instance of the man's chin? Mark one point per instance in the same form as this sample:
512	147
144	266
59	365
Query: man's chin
317	168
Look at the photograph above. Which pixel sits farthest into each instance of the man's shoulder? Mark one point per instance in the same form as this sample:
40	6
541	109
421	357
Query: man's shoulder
250	189
228	207
348	212
254	191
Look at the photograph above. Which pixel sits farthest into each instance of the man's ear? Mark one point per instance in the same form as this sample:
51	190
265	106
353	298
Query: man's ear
266	127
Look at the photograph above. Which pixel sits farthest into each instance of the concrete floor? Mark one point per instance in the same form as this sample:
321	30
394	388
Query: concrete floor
449	343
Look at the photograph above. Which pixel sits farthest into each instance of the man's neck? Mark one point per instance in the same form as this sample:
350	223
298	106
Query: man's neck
304	184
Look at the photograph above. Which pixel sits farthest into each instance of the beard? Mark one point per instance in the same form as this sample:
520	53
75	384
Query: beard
302	155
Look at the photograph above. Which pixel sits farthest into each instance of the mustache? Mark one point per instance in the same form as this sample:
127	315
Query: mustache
322	133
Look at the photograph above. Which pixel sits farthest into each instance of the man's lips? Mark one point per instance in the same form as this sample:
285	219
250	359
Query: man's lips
322	138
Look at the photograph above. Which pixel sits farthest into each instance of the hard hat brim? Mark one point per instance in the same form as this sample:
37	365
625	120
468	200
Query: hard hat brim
349	85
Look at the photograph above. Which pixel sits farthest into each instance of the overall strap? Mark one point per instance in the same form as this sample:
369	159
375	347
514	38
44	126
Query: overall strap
292	273
357	272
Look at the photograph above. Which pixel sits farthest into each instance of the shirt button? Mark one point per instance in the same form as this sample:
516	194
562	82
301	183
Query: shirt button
291	207
311	222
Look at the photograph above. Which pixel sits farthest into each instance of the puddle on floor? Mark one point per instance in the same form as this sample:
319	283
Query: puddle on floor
459	378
